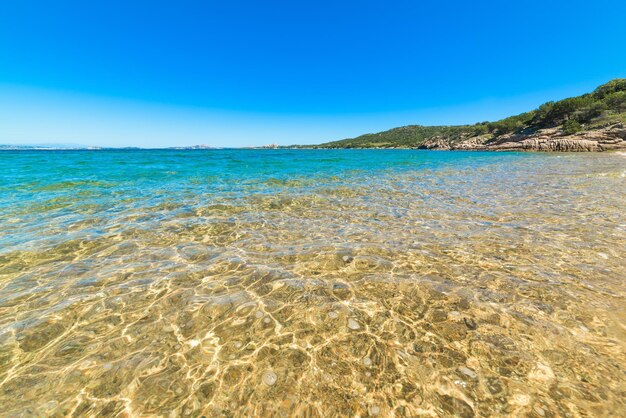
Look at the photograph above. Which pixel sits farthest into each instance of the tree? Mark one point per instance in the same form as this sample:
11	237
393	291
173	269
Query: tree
571	126
592	111
619	84
554	113
616	101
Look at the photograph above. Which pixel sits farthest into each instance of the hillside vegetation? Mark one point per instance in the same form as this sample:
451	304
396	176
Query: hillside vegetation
604	107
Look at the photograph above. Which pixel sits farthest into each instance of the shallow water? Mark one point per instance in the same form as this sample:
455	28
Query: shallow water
312	283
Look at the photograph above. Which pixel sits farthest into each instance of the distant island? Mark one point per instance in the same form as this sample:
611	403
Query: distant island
64	147
592	122
46	147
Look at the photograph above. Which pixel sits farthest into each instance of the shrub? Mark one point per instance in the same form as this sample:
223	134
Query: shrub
571	126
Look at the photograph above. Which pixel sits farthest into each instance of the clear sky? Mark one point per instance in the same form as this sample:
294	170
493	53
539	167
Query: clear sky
237	73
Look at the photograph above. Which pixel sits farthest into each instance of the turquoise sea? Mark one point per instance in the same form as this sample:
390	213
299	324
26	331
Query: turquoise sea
312	283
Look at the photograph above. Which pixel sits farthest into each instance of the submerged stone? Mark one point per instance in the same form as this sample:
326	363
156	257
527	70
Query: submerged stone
470	323
468	372
352	324
269	378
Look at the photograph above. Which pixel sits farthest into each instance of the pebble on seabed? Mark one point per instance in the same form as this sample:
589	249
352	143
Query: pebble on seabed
468	372
367	361
375	410
332	315
269	378
352	324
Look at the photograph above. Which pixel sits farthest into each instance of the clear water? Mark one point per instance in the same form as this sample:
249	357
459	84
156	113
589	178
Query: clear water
312	283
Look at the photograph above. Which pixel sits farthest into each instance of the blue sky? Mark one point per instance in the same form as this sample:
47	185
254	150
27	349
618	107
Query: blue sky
237	73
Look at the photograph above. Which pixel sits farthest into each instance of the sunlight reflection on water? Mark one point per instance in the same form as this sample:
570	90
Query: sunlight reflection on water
324	283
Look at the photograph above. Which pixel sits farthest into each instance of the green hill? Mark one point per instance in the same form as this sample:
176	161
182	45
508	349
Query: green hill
568	119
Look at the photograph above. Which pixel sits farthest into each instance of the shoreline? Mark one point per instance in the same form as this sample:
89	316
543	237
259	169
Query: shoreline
610	138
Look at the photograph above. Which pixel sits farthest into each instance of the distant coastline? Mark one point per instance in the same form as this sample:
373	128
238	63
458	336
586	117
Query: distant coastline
591	122
54	147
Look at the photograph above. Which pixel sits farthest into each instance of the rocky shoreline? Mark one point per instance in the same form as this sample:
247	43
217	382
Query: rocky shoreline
590	122
608	138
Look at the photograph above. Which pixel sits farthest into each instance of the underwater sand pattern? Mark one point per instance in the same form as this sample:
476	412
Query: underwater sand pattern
312	283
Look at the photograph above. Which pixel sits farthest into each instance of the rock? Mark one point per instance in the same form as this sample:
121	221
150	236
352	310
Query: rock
269	378
437	142
611	137
468	372
352	324
470	323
